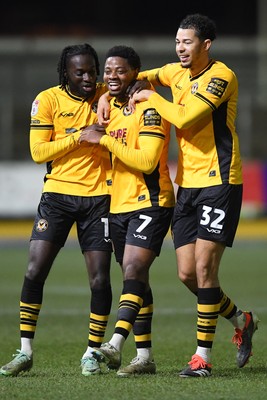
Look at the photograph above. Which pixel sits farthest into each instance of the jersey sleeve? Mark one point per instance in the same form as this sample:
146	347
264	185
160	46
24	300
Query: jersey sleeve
206	99
144	159
42	147
157	76
43	150
152	75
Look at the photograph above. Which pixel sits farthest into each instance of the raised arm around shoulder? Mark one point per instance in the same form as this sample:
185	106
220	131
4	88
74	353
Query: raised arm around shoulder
103	109
182	116
152	75
137	97
138	85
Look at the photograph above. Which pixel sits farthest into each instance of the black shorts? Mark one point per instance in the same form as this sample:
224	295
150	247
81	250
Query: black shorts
208	213
57	213
143	228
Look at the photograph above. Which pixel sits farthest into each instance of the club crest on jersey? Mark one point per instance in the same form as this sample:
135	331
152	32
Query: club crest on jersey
194	88
126	111
42	225
35	106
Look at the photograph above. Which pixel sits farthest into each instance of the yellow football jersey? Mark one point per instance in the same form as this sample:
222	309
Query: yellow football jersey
56	120
203	112
139	145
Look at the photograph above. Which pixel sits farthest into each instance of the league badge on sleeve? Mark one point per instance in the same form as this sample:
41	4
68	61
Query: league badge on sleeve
151	117
35	106
217	86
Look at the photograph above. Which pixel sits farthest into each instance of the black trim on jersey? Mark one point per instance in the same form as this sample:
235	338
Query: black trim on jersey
154	134
41	127
152	183
48	169
119	105
81	99
223	141
207	101
204	71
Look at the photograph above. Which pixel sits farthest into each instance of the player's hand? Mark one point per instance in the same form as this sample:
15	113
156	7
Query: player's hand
92	134
142	95
137	86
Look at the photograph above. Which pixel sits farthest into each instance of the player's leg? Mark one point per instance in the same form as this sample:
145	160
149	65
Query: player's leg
157	225
207	256
50	231
228	309
93	234
98	266
41	257
185	231
135	267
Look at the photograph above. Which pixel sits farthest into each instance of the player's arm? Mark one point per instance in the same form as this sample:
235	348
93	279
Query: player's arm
103	109
206	100
42	146
183	116
144	159
151	75
44	150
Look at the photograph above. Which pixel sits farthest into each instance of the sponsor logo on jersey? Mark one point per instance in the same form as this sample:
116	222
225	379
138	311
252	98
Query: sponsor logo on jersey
217	86
212	230
119	134
212	173
152	117
66	114
142	197
70	130
142	237
42	225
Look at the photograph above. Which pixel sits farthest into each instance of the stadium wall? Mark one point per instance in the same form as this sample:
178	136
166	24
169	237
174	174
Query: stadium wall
21	186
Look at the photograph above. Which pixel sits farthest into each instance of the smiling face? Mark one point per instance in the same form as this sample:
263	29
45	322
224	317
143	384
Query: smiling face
81	74
118	75
192	52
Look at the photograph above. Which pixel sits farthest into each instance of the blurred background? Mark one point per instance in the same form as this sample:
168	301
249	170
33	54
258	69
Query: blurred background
33	34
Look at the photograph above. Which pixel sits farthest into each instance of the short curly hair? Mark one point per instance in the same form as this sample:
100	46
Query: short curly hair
126	52
204	27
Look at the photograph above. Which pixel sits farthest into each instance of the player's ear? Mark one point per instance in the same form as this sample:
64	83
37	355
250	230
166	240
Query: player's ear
207	44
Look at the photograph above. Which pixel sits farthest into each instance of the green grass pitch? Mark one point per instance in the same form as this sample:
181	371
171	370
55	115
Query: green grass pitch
62	331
